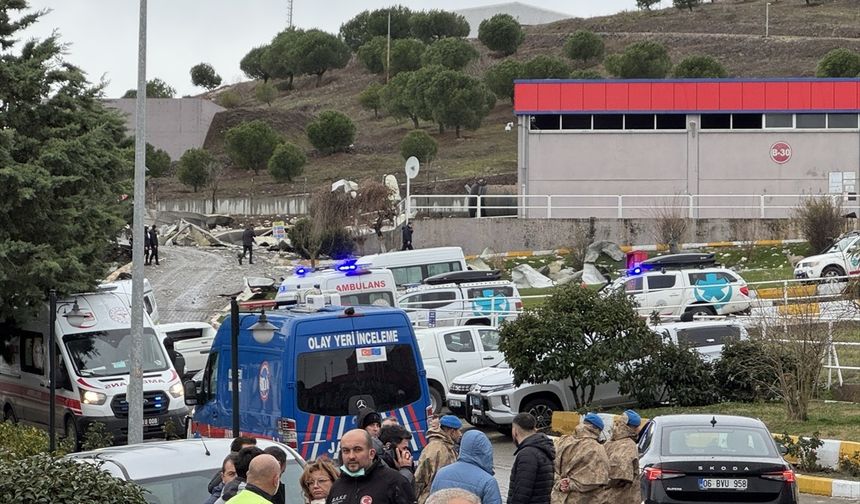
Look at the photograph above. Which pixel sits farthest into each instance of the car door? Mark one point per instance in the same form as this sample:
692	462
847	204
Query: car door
718	289
460	352
489	338
633	287
663	294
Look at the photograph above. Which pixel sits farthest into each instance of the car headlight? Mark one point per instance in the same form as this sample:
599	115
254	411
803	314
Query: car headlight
809	264
176	390
506	400
91	397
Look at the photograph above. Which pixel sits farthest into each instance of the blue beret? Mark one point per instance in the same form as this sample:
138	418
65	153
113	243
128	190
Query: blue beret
451	422
594	419
633	418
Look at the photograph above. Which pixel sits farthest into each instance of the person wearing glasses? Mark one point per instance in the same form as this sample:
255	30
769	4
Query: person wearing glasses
317	479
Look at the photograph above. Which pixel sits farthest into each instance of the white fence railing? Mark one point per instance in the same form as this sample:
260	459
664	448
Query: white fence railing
621	206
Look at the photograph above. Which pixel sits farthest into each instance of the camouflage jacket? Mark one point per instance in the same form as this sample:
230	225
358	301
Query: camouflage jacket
439	452
623	455
581	459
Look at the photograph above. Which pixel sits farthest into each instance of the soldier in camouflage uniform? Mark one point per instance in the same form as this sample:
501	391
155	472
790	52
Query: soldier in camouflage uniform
440	451
623	455
581	466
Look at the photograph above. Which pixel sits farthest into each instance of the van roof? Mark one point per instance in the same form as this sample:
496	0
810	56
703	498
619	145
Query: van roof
409	253
491	283
111	311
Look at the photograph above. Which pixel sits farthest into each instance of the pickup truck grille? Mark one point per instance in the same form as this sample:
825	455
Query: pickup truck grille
460	388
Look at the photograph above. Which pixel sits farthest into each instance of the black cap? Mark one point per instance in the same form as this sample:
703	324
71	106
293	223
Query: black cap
366	418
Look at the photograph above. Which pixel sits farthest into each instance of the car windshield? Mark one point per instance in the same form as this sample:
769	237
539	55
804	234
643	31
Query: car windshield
842	244
327	381
108	353
192	487
728	441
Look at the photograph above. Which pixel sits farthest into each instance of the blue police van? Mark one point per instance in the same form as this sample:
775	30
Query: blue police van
305	387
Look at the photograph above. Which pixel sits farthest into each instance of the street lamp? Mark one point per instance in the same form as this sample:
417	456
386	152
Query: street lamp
75	316
263	331
52	367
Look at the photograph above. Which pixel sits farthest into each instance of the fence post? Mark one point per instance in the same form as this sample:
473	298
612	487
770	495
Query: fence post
785	293
691	197
830	351
620	206
761	205
478	207
549	206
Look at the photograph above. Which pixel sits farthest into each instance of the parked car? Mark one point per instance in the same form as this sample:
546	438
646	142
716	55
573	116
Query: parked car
840	259
712	458
684	284
493	400
192	340
461	385
452	351
462	302
180	471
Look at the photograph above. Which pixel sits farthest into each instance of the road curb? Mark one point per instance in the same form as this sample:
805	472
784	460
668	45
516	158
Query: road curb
828	487
646	248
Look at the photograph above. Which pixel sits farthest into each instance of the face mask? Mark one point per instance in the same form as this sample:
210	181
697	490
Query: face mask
355	474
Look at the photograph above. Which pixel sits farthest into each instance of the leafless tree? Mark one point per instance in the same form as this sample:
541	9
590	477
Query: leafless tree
670	222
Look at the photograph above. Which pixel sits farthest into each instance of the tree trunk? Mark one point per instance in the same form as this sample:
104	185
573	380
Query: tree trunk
376	113
415	124
290	85
441	128
319	78
458	131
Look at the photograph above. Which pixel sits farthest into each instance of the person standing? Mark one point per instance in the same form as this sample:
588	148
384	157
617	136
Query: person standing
533	472
216	485
225	476
407	236
623	457
264	476
473	470
145	244
396	454
582	465
280	455
248	241
441	450
153	244
364	479
317	479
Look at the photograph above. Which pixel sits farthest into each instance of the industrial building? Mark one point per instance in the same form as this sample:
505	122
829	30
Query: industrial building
709	147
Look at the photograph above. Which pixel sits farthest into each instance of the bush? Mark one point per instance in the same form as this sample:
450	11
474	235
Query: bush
420	144
642	60
204	75
451	53
251	144
437	24
686	4
584	46
500	77
331	132
371	98
699	67
287	162
157	161
675	374
372	55
229	99
265	92
646	4
820	221
803	450
155	88
850	465
741	374
317	52
96	436
337	244
21	441
586	74
42	478
252	64
546	67
501	33
839	63
194	167
406	55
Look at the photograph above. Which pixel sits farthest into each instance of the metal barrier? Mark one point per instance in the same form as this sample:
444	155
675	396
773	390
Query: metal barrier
693	206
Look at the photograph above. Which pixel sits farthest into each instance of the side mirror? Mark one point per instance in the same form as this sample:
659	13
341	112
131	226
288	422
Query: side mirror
782	449
178	362
190	393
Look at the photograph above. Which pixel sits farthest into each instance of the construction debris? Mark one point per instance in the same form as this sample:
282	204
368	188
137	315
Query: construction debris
526	277
187	234
603	247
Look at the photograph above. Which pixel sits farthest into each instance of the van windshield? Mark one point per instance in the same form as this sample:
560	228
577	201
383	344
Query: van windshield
367	298
109	353
328	380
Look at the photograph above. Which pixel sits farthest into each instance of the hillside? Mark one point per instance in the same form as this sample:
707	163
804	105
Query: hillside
731	31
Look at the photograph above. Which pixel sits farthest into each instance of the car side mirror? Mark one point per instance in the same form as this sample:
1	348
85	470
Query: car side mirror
782	449
190	393
178	362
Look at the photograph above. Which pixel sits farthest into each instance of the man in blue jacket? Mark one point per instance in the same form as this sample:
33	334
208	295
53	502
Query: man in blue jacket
473	470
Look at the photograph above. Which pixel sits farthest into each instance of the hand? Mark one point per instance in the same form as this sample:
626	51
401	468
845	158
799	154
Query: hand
564	485
404	457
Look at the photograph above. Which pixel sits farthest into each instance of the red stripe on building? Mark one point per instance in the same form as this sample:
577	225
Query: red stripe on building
691	96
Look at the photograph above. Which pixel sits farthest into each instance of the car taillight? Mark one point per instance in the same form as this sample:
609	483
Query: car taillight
519	305
287	430
786	476
655	473
745	290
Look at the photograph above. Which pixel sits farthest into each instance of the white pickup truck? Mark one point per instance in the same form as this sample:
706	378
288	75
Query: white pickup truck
841	259
452	351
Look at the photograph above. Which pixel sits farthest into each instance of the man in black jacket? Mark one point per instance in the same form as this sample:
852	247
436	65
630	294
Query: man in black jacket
364	479
248	241
533	471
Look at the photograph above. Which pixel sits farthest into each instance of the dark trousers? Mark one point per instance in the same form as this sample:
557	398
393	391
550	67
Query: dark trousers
407	246
153	255
247	249
146	255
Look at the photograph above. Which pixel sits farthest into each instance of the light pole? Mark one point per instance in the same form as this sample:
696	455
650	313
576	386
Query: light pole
767	19
52	372
234	362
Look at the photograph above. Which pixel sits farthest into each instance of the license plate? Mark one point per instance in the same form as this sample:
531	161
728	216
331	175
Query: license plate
453	403
475	401
147	422
722	484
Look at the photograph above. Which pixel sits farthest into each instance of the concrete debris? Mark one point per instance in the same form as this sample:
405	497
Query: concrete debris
260	283
477	264
603	247
390	182
347	186
526	277
190	235
488	253
217	220
560	273
591	275
567	275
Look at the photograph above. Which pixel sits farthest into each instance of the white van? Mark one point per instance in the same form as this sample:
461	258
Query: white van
413	266
469	303
356	286
192	340
93	337
124	287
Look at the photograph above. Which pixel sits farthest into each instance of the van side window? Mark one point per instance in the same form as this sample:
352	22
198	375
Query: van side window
490	339
713	277
407	275
659	282
460	341
210	376
147	304
439	268
633	286
32	352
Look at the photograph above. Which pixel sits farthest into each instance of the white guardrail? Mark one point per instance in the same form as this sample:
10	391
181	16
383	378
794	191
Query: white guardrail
784	300
619	205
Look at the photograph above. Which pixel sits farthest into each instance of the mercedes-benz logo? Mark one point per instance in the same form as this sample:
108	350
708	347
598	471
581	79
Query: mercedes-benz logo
361	404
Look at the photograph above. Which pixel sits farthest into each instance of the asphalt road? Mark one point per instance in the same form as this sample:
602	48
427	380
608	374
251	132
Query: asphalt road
191	283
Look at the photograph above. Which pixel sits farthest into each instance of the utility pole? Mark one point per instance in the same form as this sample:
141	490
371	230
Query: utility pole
290	14
134	394
388	50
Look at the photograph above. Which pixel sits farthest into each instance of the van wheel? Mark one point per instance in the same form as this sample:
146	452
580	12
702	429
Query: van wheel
9	414
542	410
706	311
832	274
72	432
435	400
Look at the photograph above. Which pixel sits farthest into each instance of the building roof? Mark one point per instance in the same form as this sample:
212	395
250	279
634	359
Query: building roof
808	95
524	13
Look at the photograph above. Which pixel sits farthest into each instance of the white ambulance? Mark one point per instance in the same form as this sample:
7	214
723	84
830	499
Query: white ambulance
93	342
355	285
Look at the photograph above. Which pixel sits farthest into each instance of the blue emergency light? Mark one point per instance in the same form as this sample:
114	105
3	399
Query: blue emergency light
302	271
347	267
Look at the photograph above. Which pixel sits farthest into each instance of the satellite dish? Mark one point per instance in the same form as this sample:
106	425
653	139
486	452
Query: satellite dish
412	167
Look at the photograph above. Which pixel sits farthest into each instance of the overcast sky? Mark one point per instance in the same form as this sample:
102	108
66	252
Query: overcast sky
102	34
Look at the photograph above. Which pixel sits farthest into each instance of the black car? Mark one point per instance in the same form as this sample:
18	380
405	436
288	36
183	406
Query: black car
713	458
